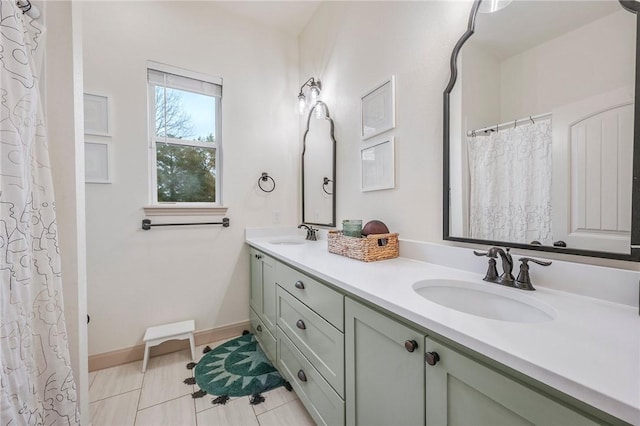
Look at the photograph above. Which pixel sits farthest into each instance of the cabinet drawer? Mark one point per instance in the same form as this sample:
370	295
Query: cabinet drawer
328	303
320	342
263	336
323	403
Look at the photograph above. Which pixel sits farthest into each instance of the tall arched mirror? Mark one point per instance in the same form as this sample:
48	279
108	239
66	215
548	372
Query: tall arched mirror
319	168
541	145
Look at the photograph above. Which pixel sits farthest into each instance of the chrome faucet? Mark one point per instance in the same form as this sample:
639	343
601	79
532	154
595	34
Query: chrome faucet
311	233
507	277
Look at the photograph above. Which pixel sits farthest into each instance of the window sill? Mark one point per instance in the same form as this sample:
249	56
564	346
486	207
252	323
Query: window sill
182	210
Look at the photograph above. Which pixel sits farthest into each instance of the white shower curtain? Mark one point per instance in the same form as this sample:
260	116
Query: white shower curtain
36	380
510	184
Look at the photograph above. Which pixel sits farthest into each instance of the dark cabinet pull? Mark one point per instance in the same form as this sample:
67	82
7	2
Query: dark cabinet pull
301	325
259	329
432	358
411	345
302	376
299	284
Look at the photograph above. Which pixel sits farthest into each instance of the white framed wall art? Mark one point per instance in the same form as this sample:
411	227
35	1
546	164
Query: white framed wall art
97	162
378	110
96	115
377	162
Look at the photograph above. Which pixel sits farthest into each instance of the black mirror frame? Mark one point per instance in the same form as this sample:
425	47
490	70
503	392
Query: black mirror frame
632	6
327	116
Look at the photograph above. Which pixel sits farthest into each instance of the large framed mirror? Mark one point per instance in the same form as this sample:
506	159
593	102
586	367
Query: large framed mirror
319	168
541	136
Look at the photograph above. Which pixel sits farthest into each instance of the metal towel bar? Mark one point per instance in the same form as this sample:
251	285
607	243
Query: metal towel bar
146	223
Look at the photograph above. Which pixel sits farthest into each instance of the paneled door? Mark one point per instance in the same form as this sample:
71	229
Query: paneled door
592	172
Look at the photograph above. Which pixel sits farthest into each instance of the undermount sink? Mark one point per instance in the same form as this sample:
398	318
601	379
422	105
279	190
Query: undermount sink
291	242
482	300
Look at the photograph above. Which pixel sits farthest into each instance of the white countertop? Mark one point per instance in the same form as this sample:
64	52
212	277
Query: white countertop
591	350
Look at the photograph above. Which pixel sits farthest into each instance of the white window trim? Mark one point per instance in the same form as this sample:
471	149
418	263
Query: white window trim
170	69
180	209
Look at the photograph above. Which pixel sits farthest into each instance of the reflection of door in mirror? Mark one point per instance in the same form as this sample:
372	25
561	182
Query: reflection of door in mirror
541	128
318	169
592	163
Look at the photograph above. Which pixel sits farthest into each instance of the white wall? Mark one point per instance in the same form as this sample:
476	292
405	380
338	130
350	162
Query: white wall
354	46
141	278
555	73
481	88
62	102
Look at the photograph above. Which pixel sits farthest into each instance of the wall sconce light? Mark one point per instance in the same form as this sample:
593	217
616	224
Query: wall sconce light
314	93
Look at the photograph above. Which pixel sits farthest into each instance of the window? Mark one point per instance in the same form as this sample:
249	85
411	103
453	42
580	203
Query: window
184	124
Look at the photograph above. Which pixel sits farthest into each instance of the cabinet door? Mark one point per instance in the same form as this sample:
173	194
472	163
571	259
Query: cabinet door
263	288
269	293
255	297
461	391
384	381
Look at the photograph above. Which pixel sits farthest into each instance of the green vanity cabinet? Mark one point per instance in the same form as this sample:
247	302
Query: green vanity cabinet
351	362
262	301
384	378
463	391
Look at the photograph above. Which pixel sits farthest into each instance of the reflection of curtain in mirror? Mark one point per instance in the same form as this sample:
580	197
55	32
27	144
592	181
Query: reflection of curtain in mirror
510	184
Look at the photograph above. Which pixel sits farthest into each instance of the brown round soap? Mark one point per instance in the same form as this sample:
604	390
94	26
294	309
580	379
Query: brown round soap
375	227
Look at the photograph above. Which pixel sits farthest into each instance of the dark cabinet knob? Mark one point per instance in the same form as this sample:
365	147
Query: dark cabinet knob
432	358
259	329
411	345
299	284
302	376
301	325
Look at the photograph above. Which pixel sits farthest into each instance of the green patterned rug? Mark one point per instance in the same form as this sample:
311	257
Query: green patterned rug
238	367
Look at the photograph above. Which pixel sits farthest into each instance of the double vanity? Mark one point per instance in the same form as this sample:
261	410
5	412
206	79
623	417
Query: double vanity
423	339
405	341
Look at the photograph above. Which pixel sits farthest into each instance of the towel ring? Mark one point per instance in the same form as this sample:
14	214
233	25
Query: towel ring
264	178
325	182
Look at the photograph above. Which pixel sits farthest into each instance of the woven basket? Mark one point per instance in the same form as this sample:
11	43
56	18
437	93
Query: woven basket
368	249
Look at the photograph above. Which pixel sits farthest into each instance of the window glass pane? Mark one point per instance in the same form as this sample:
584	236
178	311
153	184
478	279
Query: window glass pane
190	115
186	173
160	127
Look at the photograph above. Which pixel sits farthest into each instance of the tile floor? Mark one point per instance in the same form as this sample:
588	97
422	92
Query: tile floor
123	395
